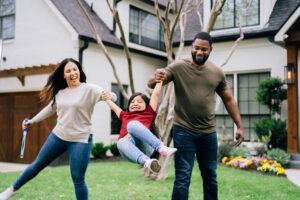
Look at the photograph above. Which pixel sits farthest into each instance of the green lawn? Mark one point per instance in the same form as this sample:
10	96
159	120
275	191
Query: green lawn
123	180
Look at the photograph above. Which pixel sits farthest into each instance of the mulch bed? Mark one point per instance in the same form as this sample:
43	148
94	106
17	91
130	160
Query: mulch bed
107	159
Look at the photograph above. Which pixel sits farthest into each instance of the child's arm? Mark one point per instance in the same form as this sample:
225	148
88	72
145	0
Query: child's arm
155	95
112	105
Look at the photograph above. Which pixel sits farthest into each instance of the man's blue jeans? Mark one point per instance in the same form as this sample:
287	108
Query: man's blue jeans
205	146
140	145
79	154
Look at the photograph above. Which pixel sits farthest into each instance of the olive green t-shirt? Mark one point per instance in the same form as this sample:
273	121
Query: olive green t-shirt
194	91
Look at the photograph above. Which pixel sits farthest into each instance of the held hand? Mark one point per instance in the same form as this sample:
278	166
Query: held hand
239	136
160	75
27	124
106	95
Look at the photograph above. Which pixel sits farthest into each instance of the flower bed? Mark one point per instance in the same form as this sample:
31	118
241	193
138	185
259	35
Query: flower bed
261	164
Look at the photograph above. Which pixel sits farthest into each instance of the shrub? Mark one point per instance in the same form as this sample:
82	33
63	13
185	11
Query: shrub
271	93
114	149
99	150
261	150
276	127
280	156
240	151
224	150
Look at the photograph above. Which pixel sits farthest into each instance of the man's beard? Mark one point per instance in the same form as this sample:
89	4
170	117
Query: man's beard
200	62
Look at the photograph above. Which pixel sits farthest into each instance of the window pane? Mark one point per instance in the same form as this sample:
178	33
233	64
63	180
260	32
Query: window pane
251	17
115	124
226	18
232	10
8	27
7	7
145	29
150	31
134	26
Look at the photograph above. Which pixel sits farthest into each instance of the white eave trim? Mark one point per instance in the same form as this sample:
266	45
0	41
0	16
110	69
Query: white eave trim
72	31
280	36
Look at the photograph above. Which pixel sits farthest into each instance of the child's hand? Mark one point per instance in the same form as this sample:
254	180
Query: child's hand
106	95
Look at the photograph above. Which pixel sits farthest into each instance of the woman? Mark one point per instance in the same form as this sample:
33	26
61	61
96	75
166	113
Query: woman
73	100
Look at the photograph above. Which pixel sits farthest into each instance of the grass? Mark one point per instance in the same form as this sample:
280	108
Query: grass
123	181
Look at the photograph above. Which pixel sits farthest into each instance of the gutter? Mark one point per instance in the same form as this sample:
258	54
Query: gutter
81	49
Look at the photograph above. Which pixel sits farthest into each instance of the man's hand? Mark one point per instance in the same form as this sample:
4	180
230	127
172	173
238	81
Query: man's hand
160	75
239	136
106	95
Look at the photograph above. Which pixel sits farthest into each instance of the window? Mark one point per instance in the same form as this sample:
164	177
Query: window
122	103
250	109
145	29
7	19
224	123
232	11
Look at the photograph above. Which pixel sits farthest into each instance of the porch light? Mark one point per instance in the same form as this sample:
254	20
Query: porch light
289	74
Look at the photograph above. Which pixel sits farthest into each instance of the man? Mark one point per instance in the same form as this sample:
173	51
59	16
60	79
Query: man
194	131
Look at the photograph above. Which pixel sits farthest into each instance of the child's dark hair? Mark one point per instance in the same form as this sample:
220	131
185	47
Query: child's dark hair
144	97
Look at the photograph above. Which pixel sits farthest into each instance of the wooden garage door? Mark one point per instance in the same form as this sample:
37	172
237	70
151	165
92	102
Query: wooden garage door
14	107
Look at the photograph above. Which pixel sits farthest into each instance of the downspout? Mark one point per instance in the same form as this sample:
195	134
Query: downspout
81	49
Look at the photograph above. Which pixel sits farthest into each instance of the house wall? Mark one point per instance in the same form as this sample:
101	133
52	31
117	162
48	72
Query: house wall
103	11
38	40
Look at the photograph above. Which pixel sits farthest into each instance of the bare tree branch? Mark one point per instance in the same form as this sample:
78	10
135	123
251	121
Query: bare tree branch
99	41
215	12
115	13
199	14
241	34
182	23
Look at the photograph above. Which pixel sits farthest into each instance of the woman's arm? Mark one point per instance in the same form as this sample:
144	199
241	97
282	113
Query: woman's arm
114	107
155	95
43	114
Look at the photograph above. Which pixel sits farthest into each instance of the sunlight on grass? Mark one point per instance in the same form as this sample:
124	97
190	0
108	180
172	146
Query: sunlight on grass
124	181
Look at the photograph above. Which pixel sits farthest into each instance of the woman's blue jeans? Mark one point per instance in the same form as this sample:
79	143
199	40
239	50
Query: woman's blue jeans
140	145
205	146
79	154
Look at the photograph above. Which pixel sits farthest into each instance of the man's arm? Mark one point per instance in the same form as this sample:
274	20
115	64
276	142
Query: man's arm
234	112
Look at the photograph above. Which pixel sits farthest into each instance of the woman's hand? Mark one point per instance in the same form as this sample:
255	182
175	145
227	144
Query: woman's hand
106	95
27	124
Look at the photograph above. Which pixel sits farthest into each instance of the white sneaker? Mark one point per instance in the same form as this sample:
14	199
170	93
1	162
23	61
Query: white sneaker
153	165
166	151
7	194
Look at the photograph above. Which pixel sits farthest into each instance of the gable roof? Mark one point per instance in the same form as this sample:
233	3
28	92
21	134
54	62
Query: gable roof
282	10
76	17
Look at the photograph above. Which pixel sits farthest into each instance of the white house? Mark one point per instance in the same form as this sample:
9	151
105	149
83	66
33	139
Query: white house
37	34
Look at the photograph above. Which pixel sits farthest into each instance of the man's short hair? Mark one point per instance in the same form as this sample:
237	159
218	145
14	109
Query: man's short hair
203	36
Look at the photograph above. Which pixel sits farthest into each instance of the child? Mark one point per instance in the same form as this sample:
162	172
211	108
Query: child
136	142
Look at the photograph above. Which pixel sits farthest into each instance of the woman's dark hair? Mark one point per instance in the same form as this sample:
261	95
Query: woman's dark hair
56	80
144	97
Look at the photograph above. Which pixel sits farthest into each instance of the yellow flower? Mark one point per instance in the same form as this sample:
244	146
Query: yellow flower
224	159
280	170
